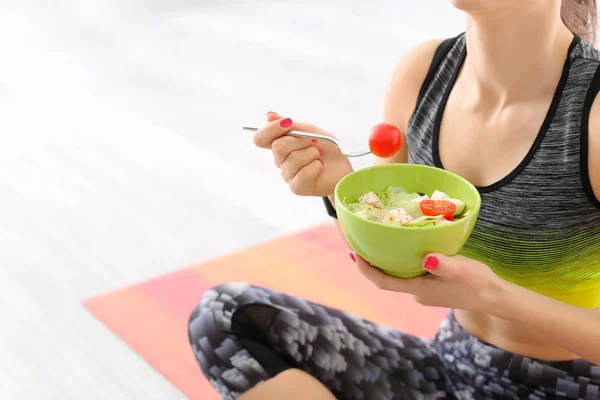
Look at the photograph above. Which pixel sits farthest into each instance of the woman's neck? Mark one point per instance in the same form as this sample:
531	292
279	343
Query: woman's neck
514	54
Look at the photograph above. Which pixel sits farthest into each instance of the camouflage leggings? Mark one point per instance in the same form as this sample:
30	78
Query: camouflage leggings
236	325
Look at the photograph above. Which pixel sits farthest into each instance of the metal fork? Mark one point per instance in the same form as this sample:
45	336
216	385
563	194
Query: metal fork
329	139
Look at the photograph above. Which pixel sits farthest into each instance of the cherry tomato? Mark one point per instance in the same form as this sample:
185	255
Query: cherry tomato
433	208
385	140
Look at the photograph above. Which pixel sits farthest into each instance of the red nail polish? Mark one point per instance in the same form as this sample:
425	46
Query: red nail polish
320	152
352	257
321	161
432	263
314	140
286	123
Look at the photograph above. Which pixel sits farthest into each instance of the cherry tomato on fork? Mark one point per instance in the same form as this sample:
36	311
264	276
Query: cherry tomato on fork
433	208
385	140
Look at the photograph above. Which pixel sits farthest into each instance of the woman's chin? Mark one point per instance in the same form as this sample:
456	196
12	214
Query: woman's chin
468	5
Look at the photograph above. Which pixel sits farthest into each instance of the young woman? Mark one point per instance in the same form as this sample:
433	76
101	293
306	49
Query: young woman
518	116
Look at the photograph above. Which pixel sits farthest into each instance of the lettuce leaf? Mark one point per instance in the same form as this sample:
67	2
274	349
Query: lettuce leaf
425	221
399	198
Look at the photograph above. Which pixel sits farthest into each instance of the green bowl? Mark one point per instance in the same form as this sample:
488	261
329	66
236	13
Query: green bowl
397	250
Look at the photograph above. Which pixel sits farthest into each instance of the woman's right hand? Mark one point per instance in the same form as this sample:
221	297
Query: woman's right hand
308	166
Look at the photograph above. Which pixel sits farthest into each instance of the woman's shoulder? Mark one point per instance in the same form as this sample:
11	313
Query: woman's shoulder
413	68
406	81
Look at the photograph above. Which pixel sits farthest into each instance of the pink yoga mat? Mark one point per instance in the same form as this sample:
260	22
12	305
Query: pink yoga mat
152	317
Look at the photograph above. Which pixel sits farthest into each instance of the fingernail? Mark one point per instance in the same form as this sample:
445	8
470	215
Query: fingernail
271	112
352	257
314	140
286	123
320	152
431	263
321	161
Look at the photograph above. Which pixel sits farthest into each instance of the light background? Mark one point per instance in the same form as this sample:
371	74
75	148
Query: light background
121	156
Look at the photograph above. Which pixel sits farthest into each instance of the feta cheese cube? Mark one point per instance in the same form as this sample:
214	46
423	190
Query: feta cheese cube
420	199
371	199
400	215
437	195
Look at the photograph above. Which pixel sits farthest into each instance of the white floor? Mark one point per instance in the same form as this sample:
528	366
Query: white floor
121	156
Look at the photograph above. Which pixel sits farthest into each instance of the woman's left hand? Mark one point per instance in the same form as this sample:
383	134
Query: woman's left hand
453	282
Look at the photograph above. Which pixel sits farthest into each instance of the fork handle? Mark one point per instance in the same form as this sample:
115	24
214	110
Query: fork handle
307	135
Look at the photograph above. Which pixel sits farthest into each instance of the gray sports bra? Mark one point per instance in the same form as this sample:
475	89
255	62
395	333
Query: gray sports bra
539	226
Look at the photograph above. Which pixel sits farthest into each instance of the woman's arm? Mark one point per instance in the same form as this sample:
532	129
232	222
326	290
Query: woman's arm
403	91
594	147
462	283
573	328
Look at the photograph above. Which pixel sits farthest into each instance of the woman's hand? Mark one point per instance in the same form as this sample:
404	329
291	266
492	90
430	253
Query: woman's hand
453	282
309	167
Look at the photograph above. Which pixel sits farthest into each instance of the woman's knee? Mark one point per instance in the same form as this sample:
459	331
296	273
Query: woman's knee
217	305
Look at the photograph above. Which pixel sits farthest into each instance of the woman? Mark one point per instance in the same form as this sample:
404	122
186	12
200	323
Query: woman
518	117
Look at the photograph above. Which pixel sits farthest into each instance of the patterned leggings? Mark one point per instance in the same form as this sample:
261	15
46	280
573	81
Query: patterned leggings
243	335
